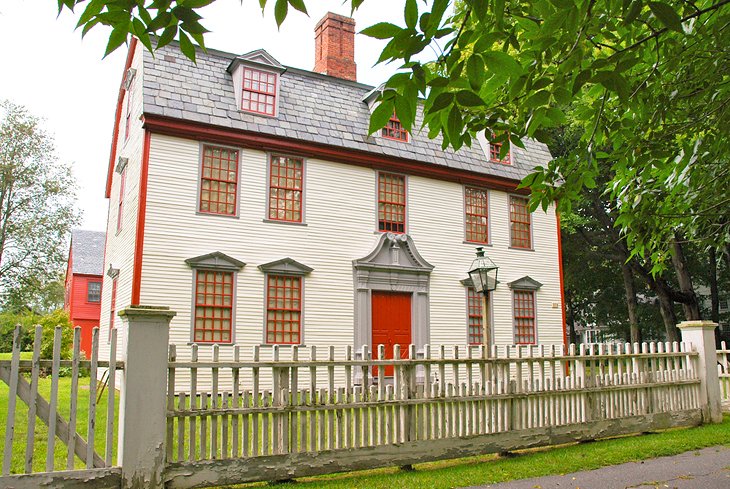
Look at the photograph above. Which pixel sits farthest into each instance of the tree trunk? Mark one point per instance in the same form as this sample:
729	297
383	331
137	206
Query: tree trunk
714	294
631	302
570	319
691	307
666	308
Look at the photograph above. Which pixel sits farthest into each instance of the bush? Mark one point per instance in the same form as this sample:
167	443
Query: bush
27	321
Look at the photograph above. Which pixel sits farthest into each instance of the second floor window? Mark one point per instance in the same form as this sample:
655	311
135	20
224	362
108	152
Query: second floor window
395	130
475	326
391	203
476	216
283	309
524	316
213	306
93	292
219	181
120	206
520	223
259	91
285	188
128	116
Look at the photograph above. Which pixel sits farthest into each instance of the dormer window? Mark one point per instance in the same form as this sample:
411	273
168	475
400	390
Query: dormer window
256	82
395	130
259	91
495	149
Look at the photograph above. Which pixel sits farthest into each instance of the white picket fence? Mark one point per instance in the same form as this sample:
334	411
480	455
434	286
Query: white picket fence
723	372
190	418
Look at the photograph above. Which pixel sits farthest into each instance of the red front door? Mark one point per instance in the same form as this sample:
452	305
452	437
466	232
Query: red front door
391	324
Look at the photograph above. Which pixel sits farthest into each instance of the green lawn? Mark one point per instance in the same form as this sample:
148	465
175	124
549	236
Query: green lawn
41	430
490	469
24	355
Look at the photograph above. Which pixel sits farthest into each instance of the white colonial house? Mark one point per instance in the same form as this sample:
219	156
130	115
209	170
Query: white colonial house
248	197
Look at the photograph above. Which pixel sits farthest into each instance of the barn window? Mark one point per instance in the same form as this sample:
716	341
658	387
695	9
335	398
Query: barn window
219	181
286	186
520	223
259	91
391	203
213	306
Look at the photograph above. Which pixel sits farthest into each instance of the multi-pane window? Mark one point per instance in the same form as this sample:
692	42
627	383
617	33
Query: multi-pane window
213	306
475	326
391	203
93	292
283	309
219	180
112	306
476	215
120	206
395	130
494	154
128	117
259	91
520	221
524	319
285	188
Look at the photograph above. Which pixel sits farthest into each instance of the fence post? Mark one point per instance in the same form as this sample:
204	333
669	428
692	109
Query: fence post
701	334
142	401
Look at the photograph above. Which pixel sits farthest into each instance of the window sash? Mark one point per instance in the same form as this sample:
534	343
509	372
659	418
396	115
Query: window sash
286	187
394	130
128	116
391	203
219	181
112	307
475	326
520	223
476	215
523	310
213	319
283	309
259	91
120	207
93	292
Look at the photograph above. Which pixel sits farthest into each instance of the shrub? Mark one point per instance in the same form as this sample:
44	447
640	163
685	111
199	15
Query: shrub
27	321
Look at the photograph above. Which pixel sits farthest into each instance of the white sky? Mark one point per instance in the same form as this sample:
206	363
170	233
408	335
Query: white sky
48	68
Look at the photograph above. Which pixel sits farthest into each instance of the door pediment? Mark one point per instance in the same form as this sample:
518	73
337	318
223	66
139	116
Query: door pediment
394	252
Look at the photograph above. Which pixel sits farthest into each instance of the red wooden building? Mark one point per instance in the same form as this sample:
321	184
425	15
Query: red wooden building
83	282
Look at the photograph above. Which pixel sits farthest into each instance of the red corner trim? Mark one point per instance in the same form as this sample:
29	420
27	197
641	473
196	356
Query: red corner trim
141	212
117	117
560	268
233	137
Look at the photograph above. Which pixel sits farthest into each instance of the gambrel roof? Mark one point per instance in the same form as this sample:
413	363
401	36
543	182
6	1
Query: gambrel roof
313	108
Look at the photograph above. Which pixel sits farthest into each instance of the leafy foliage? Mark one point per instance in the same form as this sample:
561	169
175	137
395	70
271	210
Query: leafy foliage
27	321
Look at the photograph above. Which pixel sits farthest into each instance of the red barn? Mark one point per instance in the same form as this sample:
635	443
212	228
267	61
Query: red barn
83	282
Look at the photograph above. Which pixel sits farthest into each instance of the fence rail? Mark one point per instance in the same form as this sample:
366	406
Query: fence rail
723	371
23	378
290	407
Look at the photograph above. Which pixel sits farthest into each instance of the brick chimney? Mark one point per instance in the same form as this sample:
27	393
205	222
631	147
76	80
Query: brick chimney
334	47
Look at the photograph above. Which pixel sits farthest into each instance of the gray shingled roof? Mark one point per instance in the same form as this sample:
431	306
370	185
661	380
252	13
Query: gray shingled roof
312	107
87	252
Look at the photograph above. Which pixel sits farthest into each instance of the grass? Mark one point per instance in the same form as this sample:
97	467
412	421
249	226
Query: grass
490	469
24	355
41	430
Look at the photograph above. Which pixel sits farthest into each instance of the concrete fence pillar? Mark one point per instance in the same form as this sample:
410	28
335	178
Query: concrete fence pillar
142	401
701	334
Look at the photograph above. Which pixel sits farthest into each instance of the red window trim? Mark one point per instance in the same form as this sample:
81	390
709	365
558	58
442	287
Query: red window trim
393	221
128	115
474	317
469	236
213	306
523	243
120	207
295	313
112	307
88	287
524	310
494	150
394	130
219	181
259	92
272	213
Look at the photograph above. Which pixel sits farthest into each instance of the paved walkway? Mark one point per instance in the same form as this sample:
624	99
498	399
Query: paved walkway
708	468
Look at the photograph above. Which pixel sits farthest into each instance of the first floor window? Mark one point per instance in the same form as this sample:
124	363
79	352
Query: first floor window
520	223
213	306
93	292
391	203
283	309
285	188
524	316
475	323
219	181
112	307
476	215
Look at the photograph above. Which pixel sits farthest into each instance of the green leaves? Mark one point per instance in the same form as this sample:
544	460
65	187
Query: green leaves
281	8
666	15
411	14
381	115
382	30
499	62
116	38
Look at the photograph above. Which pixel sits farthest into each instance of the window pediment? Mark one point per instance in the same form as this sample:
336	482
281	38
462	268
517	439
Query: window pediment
394	251
215	261
525	283
285	266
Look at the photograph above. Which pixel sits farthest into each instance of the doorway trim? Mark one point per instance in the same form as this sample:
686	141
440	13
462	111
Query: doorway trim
394	265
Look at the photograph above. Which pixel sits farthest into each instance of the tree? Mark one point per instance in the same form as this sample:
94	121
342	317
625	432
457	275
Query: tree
651	79
37	196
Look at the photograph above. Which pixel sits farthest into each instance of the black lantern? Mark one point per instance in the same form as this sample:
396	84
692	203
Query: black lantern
483	273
